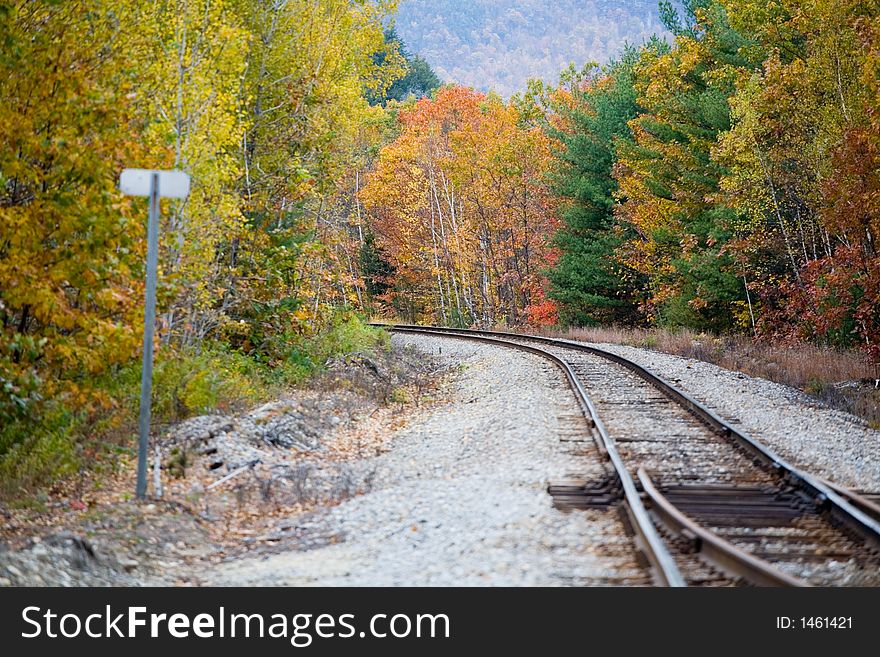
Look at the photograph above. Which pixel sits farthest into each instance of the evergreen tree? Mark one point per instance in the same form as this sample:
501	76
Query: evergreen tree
669	182
588	281
375	269
418	81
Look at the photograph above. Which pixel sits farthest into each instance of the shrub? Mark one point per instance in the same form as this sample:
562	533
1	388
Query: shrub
40	444
346	333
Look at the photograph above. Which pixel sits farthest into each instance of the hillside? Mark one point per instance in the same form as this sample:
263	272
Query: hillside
500	44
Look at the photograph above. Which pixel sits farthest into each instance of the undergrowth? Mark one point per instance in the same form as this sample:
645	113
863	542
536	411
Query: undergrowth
77	434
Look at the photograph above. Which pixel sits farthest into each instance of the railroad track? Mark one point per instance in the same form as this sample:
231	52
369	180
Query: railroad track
708	505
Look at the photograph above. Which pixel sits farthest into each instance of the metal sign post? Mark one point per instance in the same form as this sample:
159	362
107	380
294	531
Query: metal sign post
155	184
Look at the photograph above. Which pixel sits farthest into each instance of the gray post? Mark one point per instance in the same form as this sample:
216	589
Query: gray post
149	321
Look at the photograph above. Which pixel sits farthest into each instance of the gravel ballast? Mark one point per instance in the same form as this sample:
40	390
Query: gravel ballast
818	439
460	497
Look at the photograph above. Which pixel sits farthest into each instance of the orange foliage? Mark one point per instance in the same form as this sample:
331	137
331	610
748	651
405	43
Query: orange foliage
461	211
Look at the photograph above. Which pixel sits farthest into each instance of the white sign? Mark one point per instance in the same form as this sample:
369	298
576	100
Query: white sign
137	182
170	184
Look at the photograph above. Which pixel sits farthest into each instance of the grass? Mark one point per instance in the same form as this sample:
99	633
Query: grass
841	379
69	441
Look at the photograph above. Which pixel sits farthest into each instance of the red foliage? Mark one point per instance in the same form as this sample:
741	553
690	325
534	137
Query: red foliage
545	313
542	311
836	301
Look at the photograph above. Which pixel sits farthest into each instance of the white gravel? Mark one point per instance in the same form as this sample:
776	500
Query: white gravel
818	439
460	498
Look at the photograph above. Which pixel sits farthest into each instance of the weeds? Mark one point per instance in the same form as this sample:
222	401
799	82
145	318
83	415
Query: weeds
86	433
400	396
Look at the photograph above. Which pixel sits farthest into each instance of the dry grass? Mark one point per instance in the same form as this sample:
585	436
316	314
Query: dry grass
841	379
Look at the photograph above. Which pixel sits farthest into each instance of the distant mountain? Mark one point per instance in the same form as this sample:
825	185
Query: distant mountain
501	43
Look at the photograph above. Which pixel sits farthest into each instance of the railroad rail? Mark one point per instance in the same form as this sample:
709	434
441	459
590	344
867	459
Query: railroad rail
708	504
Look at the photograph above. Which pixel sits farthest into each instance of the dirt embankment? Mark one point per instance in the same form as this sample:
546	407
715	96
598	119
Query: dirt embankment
221	485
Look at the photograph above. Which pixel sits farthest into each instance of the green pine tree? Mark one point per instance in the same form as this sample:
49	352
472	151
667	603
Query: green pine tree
589	283
419	81
684	97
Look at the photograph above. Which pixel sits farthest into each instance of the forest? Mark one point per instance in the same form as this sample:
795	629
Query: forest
723	179
726	181
500	44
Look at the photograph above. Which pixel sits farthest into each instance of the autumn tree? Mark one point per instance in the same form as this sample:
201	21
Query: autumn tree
192	95
461	209
70	250
310	66
263	103
668	181
802	157
746	193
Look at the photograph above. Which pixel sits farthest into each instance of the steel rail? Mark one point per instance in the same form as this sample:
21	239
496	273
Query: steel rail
663	565
841	505
717	550
857	500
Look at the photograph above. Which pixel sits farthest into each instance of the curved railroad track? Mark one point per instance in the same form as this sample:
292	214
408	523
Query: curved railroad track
708	504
